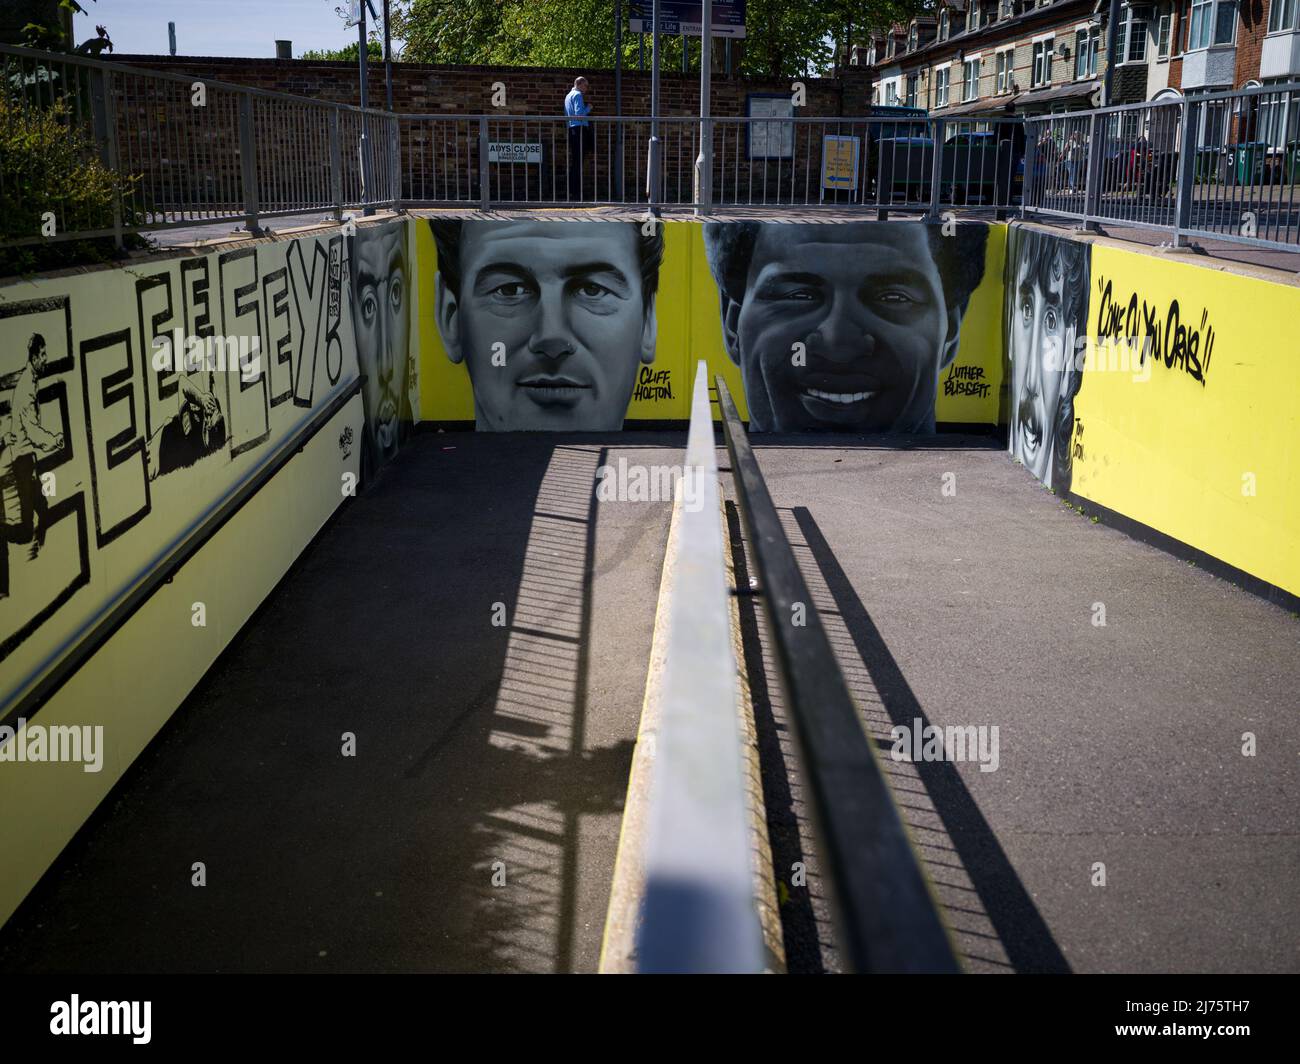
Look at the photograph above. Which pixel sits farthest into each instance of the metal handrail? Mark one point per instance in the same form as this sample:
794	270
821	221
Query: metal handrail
696	910
888	918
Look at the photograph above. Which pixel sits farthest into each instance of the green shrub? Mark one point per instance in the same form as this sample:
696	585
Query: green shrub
49	163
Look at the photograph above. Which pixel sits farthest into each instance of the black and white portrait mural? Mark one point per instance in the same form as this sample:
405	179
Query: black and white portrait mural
1047	308
381	297
843	327
553	321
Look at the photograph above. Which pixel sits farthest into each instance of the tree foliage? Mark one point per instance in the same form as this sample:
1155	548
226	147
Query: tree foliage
784	37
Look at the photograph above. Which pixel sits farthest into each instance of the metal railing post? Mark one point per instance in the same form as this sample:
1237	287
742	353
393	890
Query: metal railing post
1028	189
936	169
1092	180
104	120
336	164
484	175
395	159
1186	174
704	163
248	162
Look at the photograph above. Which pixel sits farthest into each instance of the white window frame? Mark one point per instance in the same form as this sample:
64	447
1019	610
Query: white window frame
971	91
1092	37
1203	21
1043	48
942	85
1284	16
1164	36
1003	70
1127	38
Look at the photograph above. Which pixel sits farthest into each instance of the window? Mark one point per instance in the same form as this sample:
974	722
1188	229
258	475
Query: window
1006	8
1086	43
941	87
1132	45
889	48
912	38
913	84
1212	22
1162	35
944	24
970	76
1004	61
1042	72
891	94
1282	16
972	15
1278	117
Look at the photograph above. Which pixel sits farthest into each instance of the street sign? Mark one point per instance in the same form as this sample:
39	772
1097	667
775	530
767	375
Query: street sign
840	157
502	151
687	17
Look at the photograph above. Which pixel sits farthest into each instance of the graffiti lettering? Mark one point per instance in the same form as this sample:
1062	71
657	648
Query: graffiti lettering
653	384
966	380
1171	342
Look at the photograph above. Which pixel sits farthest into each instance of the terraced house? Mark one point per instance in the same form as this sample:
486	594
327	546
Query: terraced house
985	58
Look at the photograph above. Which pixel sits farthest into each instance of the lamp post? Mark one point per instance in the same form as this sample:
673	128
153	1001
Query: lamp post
704	162
652	157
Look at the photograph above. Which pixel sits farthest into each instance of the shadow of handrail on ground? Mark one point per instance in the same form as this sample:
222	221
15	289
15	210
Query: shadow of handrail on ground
961	832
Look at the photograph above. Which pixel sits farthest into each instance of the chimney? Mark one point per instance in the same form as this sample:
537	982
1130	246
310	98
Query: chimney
284	49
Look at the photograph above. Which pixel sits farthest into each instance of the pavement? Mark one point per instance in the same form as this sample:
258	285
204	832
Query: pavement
481	627
1120	746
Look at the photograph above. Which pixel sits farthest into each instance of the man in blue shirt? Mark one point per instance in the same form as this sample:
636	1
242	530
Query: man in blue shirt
580	138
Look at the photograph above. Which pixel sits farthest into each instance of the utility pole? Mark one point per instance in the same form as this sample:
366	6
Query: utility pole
366	209
1112	49
388	54
618	95
704	163
652	157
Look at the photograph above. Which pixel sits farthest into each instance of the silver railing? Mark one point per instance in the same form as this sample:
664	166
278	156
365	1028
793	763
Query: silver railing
1220	166
872	163
179	150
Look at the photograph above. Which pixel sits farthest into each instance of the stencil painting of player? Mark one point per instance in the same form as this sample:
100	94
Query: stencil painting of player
380	322
552	319
843	327
1047	308
22	444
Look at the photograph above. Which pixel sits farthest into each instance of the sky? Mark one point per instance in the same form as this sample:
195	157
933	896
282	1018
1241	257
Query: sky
217	27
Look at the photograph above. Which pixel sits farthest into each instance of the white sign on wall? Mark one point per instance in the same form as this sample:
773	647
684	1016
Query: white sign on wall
502	151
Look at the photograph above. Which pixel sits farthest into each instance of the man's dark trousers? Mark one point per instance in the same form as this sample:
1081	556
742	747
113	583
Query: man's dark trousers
579	143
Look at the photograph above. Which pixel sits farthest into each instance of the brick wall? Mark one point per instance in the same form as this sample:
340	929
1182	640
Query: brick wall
424	88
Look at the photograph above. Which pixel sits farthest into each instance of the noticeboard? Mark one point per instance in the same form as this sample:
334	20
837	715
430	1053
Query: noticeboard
770	139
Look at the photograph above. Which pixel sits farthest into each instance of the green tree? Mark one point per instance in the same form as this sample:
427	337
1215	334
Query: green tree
374	50
785	37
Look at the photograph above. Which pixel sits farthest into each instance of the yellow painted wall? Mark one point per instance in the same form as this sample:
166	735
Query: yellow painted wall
55	798
690	329
1179	455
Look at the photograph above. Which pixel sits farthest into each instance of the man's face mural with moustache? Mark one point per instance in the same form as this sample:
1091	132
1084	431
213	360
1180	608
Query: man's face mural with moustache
379	314
552	321
843	327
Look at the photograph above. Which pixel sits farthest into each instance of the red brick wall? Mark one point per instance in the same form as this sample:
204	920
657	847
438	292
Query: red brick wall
429	88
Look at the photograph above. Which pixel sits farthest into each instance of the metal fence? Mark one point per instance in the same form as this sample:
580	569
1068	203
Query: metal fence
872	163
156	150
1222	166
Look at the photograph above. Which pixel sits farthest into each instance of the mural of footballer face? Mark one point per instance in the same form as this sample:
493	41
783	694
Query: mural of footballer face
381	323
875	309
552	321
1046	308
